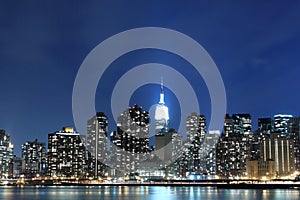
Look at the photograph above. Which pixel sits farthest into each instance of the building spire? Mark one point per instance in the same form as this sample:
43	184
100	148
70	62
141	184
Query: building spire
161	85
162	96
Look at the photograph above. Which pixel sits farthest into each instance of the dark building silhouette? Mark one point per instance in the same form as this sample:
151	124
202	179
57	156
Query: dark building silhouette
265	125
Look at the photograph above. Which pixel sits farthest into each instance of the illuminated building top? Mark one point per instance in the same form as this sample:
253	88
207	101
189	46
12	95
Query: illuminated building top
161	112
162	96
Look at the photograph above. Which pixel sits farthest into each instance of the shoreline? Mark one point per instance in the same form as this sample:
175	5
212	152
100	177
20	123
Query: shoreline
218	185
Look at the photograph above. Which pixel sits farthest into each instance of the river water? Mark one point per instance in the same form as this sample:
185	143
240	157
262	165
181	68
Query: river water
142	192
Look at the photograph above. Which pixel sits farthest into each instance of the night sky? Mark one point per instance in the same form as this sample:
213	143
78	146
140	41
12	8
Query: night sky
256	46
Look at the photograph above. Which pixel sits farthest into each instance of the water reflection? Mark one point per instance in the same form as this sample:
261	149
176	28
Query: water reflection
141	192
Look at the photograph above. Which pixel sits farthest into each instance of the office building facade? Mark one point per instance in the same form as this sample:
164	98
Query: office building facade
97	132
132	137
66	155
6	154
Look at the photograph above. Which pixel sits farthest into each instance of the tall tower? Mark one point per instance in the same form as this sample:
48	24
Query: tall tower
233	147
196	130
6	153
294	131
97	128
161	113
132	136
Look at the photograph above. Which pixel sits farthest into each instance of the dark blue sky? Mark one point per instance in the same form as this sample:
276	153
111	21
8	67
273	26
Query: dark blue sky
256	46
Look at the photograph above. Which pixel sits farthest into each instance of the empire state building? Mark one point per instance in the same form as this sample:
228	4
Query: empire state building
161	113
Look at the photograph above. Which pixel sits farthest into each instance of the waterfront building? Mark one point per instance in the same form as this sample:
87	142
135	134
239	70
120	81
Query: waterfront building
265	129
115	158
132	137
6	154
174	148
233	147
232	155
66	154
280	149
294	130
17	168
196	131
261	169
208	153
34	156
252	169
97	132
266	169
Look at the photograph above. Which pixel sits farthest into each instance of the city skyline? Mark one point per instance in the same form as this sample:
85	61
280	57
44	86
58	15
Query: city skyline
223	131
254	45
270	152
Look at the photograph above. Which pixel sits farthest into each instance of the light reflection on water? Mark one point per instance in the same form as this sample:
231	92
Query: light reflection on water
142	192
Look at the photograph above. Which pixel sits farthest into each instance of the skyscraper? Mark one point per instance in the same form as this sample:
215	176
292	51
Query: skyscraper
163	137
294	130
233	147
6	153
34	155
208	159
17	167
115	158
172	151
279	148
133	137
228	125
97	128
163	146
232	155
265	125
161	113
281	124
66	154
265	128
196	130
242	123
167	145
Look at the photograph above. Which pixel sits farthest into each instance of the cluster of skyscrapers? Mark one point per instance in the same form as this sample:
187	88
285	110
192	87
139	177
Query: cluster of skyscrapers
268	153
272	151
